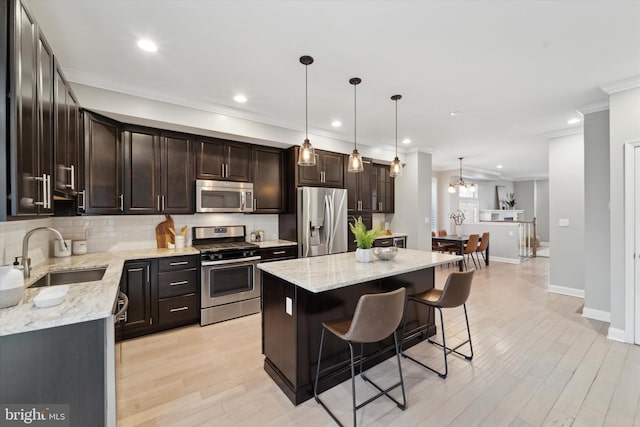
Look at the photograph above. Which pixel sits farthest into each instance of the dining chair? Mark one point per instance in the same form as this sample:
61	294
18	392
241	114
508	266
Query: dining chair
470	249
376	317
454	294
482	247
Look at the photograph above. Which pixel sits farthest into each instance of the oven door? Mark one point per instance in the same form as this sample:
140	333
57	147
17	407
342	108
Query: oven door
228	281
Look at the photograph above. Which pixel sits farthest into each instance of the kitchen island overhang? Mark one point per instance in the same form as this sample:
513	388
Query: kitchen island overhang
298	295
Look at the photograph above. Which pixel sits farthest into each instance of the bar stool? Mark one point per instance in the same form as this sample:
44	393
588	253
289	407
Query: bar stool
454	294
375	318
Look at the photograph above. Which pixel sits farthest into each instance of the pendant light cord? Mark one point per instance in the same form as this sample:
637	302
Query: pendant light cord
355	115
396	128
306	102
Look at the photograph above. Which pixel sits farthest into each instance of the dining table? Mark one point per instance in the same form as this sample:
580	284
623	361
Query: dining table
460	242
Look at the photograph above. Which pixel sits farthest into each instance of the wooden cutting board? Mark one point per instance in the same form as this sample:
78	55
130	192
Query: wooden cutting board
163	233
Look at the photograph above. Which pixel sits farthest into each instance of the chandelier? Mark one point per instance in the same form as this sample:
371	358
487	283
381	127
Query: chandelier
460	182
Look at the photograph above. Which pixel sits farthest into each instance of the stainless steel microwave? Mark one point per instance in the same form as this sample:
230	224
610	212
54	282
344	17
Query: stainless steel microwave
224	196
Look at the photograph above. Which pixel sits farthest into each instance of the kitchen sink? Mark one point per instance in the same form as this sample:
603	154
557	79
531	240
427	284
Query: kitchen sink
70	276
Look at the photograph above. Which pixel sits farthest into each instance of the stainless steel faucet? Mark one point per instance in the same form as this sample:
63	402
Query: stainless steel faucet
26	261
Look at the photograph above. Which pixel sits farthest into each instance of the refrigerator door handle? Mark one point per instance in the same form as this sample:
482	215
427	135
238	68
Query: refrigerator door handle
331	225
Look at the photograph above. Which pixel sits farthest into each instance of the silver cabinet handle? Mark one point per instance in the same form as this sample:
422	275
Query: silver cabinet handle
163	203
255	204
181	282
179	263
379	206
173	310
121	197
123	305
73	177
222	169
46	202
136	269
279	252
158	202
83	193
226	170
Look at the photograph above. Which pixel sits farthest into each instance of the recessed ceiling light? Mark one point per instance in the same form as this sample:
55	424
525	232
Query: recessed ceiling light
240	98
573	121
499	166
336	123
147	45
406	141
455	113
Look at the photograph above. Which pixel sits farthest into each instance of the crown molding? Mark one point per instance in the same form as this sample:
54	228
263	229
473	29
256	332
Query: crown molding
594	107
575	130
531	178
621	85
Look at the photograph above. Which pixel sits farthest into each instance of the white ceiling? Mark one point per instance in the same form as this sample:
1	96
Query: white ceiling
516	70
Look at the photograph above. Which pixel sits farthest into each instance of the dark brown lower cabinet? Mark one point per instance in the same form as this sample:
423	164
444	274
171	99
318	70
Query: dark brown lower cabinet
163	293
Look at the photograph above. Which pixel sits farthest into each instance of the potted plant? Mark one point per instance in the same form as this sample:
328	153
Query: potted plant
458	219
511	201
364	239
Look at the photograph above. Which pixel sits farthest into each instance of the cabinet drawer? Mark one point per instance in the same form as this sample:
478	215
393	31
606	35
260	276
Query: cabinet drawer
178	263
282	252
383	242
178	309
177	283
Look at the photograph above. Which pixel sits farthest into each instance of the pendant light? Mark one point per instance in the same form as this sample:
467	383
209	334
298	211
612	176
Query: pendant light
460	183
355	161
396	166
306	155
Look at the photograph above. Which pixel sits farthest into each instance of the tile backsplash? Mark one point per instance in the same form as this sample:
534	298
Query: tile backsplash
116	232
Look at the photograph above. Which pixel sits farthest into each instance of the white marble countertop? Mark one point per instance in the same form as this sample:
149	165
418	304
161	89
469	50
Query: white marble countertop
323	273
275	243
85	301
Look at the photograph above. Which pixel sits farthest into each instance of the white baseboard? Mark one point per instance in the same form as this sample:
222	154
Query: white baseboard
591	313
616	334
505	260
563	290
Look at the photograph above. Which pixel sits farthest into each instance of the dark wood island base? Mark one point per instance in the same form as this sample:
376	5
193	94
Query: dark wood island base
292	323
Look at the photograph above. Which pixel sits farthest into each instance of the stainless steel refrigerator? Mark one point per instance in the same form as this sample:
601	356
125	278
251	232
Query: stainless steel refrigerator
322	221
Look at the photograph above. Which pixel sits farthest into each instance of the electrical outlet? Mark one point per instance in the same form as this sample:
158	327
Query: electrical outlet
563	222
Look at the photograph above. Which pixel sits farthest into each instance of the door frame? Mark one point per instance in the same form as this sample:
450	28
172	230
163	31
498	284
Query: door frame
632	313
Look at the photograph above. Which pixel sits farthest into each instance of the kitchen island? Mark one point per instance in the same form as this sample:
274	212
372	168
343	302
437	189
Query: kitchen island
298	295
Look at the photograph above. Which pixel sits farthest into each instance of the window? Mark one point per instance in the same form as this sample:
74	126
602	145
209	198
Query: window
468	203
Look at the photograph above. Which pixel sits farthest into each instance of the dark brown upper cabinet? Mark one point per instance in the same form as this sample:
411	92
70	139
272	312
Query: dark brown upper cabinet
102	190
327	172
158	172
361	187
67	136
223	160
385	194
267	165
177	170
30	115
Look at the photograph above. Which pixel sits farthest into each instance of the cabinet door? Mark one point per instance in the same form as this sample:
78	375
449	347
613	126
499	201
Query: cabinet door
142	193
177	174
238	162
310	175
45	81
103	165
268	179
136	284
61	116
385	183
73	140
332	166
351	183
210	159
366	186
27	191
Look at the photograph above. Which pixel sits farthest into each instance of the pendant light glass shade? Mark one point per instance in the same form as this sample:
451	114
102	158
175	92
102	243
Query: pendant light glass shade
396	166
355	161
306	155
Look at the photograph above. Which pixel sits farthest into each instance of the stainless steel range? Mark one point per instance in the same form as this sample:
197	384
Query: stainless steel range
229	277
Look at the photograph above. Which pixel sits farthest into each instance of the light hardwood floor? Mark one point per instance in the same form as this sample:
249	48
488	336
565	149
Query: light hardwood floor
537	362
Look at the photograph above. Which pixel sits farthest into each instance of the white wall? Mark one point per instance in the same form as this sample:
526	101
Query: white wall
503	239
12	233
542	209
624	122
413	201
597	271
525	195
566	201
